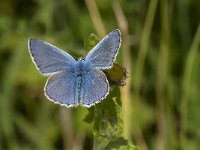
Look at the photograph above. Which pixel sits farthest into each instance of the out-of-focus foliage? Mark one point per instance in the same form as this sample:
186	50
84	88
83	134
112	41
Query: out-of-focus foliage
107	122
160	49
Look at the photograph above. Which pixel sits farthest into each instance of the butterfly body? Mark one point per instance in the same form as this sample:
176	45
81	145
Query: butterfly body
71	82
80	71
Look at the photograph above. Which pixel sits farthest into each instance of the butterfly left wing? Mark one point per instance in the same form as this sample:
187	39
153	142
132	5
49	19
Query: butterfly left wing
48	58
104	53
60	88
95	87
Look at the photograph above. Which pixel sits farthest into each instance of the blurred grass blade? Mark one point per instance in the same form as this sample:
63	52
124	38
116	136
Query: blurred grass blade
144	42
186	87
96	18
162	100
126	94
32	133
8	90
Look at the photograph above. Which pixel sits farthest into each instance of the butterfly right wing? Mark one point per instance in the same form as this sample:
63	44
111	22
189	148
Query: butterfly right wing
60	88
48	58
104	53
95	87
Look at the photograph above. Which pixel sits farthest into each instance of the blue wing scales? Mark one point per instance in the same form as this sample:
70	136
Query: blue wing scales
104	53
60	88
48	58
95	87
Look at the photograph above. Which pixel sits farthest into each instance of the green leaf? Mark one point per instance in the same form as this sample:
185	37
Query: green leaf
93	40
90	115
121	144
90	42
107	117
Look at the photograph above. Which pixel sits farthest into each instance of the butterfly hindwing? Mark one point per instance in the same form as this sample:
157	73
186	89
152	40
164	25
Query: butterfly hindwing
60	88
95	87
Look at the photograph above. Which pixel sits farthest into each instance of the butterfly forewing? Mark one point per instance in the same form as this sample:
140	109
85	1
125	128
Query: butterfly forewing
103	54
48	58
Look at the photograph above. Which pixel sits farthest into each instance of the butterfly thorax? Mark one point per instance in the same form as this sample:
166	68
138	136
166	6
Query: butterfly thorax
81	67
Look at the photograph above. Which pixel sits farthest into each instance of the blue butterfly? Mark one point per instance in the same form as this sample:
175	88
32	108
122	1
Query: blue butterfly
73	83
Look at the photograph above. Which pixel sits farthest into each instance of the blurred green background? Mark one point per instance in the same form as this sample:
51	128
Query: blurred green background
160	49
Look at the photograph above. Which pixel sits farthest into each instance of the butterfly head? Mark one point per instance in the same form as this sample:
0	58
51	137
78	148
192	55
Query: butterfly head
81	59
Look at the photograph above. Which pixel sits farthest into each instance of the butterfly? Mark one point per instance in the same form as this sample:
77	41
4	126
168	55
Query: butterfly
73	82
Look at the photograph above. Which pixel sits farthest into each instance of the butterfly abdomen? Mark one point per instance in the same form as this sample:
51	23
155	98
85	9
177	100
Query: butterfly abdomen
80	71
